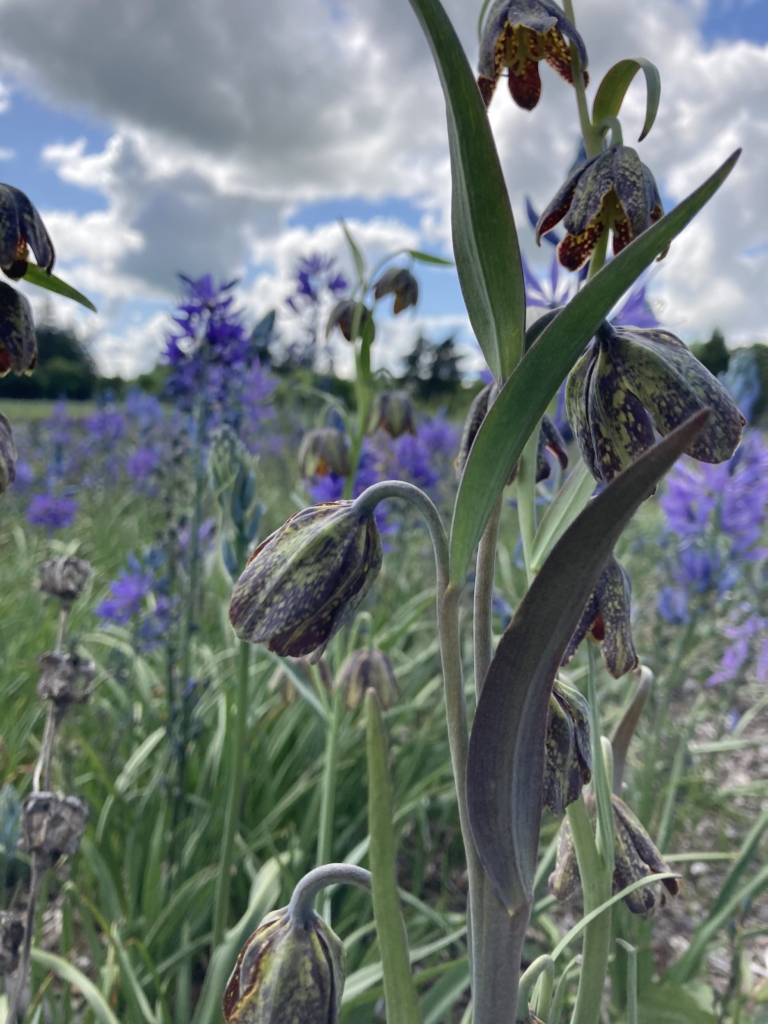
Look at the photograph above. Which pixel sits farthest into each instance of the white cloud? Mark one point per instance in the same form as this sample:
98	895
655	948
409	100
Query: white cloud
228	114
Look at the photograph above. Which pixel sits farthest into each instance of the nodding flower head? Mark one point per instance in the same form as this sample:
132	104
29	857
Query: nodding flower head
568	760
392	412
631	380
353	319
8	455
611	191
635	857
401	283
363	669
306	579
518	34
606	619
322	451
22	229
287	972
18	341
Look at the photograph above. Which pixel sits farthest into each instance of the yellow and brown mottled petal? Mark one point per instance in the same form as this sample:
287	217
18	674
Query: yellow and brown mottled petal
525	84
558	55
630	187
574	250
621	428
617	646
629	868
643	843
593	191
564	881
558	207
576	391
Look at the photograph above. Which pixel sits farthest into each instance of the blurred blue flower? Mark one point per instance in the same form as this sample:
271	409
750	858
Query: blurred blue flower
141	464
673	606
749	635
54	513
129	592
315	274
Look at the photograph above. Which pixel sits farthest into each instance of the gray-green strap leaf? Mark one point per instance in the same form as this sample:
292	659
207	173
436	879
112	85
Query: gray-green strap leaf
484	238
505	768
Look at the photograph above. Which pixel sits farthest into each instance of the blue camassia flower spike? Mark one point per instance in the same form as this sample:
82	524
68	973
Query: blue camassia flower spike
518	34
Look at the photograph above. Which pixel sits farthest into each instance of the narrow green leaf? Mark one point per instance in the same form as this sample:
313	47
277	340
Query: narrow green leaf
36	275
399	990
581	925
357	256
569	501
613	89
69	973
631	980
484	238
524	398
425	257
673	1004
505	769
730	896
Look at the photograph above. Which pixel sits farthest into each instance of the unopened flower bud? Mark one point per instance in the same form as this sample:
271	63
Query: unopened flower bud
635	857
606	618
363	669
392	412
226	458
53	825
287	972
18	341
402	284
8	455
323	451
65	679
472	423
11	938
64	577
568	760
631	380
303	581
353	319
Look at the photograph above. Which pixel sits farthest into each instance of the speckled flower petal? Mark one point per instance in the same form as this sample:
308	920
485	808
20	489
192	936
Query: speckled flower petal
558	56
8	455
564	881
628	868
672	384
558	207
574	250
644	844
18	341
576	390
621	428
592	189
614	602
630	187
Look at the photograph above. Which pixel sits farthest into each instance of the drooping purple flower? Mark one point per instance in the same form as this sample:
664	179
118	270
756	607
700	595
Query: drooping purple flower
52	512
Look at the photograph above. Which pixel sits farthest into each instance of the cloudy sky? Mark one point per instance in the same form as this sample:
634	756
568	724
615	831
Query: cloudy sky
229	136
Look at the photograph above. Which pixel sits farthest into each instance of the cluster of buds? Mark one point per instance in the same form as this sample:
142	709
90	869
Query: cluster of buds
606	618
64	577
550	438
232	479
303	582
287	971
635	858
52	825
629	381
364	669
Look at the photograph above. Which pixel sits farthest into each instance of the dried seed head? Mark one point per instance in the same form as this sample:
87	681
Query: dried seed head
65	679
363	669
64	577
323	451
53	825
11	938
304	580
287	972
